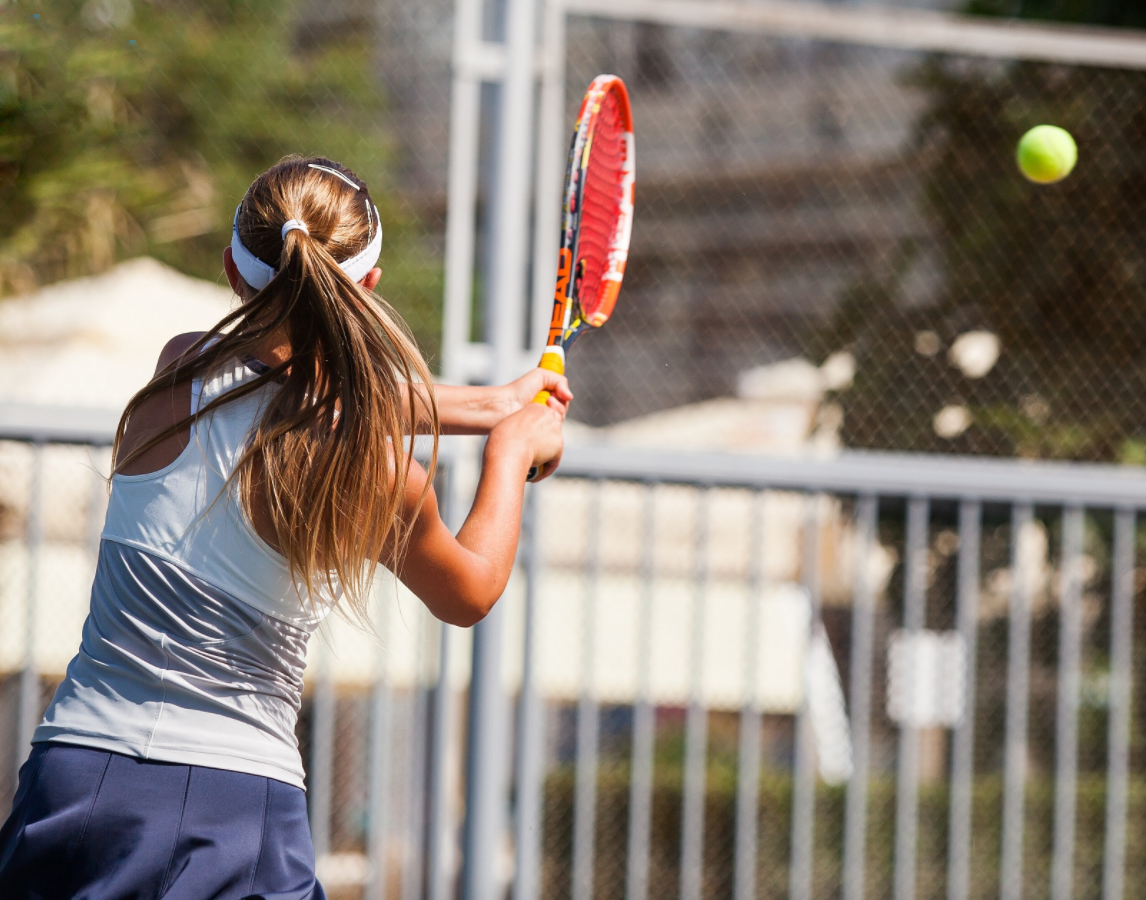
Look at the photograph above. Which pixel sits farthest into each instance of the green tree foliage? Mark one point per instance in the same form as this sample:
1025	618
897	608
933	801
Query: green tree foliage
1057	272
133	128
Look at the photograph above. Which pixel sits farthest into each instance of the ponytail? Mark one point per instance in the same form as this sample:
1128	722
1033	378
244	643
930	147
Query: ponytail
328	457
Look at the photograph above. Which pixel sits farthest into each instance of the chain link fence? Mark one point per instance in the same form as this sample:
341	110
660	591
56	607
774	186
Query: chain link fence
806	200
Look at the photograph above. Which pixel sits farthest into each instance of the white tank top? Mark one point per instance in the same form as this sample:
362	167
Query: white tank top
194	647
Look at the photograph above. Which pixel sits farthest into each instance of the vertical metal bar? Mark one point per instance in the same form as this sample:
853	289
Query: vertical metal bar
963	749
1018	698
440	829
1066	734
1121	685
804	778
907	779
465	108
378	786
412	877
29	702
550	168
511	194
485	763
486	746
748	760
585	796
321	754
747	801
641	783
527	821
863	641
696	724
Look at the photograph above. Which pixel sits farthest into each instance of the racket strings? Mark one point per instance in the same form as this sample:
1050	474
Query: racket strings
601	202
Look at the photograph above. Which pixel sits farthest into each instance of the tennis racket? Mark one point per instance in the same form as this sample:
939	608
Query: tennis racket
597	221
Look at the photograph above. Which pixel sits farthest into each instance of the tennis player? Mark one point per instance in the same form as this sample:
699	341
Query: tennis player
259	479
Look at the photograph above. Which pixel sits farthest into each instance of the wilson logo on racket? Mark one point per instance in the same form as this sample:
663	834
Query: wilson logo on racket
597	220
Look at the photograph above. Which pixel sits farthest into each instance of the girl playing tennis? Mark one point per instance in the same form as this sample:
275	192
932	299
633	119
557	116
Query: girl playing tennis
259	479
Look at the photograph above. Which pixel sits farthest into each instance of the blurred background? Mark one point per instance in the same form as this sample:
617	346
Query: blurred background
838	281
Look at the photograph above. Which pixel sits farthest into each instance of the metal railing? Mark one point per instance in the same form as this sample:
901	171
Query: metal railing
924	482
643	539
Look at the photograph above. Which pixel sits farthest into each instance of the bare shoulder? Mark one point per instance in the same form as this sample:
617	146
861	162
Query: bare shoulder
159	413
177	347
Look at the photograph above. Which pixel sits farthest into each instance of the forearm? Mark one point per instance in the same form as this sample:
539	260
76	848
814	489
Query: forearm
491	529
459	579
464	409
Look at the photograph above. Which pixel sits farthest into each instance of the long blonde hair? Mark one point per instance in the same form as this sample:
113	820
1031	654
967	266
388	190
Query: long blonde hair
328	456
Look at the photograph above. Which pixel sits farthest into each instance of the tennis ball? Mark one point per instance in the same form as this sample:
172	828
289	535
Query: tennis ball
1046	154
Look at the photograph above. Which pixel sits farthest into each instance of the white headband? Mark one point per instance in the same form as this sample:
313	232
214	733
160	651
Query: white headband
258	274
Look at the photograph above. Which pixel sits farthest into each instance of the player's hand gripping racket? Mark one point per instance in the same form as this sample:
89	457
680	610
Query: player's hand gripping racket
596	222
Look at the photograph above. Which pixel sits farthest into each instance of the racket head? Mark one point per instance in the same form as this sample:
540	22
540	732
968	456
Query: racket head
597	217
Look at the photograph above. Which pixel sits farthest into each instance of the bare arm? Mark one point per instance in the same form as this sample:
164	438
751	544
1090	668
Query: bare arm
159	412
476	410
460	578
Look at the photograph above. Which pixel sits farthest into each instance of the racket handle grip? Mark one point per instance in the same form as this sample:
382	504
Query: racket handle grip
552	359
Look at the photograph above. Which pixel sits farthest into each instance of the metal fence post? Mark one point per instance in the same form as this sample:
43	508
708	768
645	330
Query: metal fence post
804	775
907	781
696	720
485	764
462	188
486	750
863	640
527	838
1121	695
378	788
320	776
485	758
588	721
413	881
1018	703
1069	680
963	744
29	703
644	716
748	755
440	829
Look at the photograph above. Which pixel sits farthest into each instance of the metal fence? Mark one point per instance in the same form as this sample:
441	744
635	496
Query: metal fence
826	185
815	183
832	229
668	735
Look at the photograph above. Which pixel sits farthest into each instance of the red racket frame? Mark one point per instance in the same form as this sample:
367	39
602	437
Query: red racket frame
573	314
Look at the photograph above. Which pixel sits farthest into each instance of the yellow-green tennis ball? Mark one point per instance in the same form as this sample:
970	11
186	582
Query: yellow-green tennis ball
1046	154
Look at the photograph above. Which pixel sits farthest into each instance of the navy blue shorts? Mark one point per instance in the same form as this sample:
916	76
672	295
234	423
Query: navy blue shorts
102	826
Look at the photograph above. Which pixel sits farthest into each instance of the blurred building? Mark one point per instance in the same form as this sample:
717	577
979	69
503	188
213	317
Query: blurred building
93	342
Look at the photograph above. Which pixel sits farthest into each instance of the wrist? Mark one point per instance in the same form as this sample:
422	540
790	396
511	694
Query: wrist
490	407
503	451
472	409
505	400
